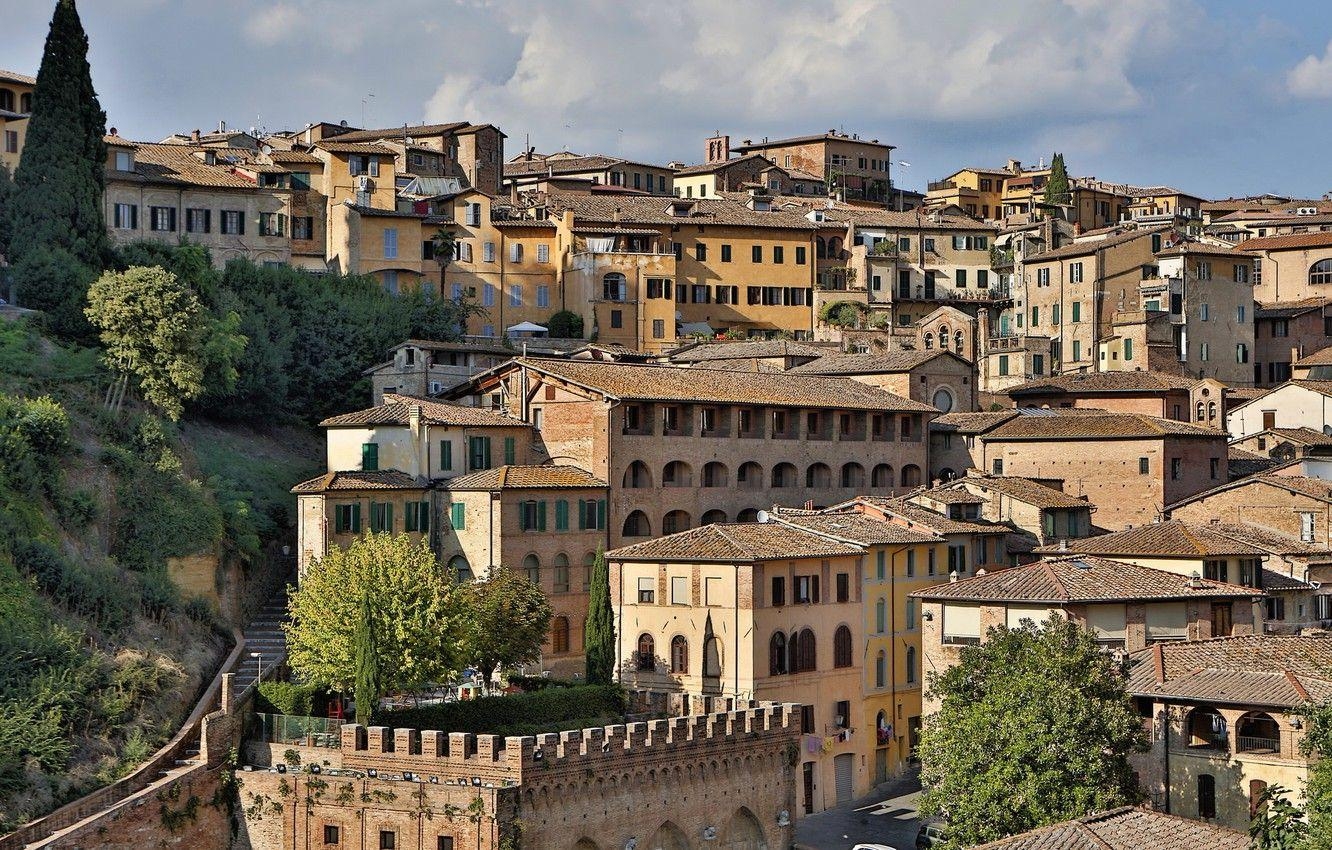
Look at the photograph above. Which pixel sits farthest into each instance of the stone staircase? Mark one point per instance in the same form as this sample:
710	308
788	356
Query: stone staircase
263	635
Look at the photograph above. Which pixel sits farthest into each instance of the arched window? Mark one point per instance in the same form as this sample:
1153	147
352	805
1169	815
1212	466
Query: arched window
1257	732
943	400
911	665
559	635
561	573
911	475
458	565
637	475
818	475
1200	411
712	517
842	647
614	287
807	658
929	341
834	248
714	474
777	654
881	670
784	475
747	515
679	654
1321	272
675	521
882	478
1211	411
677	473
853	475
820	248
637	525
957	341
1206	796
532	567
749	476
943	338
588	561
1207	728
647	653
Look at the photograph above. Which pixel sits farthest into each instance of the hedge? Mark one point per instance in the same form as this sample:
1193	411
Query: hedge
512	715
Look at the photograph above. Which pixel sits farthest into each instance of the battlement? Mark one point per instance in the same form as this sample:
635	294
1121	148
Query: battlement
490	760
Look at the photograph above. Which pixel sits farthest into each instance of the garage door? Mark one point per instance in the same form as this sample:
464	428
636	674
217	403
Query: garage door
843	766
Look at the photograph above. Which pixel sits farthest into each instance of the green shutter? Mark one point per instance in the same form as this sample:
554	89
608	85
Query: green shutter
388	517
423	517
370	456
446	454
510	450
561	515
1128	349
522	516
601	514
356	518
485	448
458	517
541	516
582	515
409	518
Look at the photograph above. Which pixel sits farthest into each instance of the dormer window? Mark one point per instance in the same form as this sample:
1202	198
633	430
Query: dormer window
124	161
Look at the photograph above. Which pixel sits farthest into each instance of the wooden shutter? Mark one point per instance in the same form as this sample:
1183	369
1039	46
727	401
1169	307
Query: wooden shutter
356	518
423	517
582	515
446	454
370	456
510	450
541	516
561	515
458	516
601	514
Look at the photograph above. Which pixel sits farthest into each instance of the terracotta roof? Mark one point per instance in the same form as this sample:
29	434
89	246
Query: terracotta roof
398	132
1090	246
950	495
569	165
711	167
177	164
118	141
855	527
16	77
697	384
749	541
1277	581
1287	309
703	351
1321	357
1318	239
334	146
1102	382
915	515
294	156
894	220
527	477
1307	436
1082	579
1023	489
1279	671
655	210
817	137
1314	488
1185	249
870	364
1125	829
382	479
1089	425
396	409
1173	538
971	423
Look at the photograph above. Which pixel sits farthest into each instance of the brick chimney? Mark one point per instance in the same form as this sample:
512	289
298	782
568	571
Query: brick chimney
194	136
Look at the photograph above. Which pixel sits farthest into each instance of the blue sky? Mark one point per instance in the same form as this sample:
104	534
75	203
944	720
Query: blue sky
1216	98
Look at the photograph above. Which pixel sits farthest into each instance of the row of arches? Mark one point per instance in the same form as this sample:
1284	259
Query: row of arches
11	103
638	524
645	658
561	573
750	475
741	832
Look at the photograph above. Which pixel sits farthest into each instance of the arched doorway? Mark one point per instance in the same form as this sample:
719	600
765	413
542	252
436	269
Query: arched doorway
743	832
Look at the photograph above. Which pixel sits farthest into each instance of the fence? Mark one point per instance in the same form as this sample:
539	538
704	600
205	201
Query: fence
304	731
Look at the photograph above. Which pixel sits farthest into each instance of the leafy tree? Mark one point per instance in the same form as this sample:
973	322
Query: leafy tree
415	615
841	314
599	637
366	689
152	328
1034	727
1278	825
566	324
1317	743
61	176
508	621
1057	187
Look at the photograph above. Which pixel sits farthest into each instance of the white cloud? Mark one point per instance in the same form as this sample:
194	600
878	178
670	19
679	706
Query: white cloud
751	66
273	25
1312	77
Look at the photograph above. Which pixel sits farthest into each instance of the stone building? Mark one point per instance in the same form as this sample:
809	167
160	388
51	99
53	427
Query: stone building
1219	714
1294	404
940	379
1127	828
849	166
725	777
1292	267
15	106
1160	394
1128	606
422	367
1288	338
531	170
682	447
1039	512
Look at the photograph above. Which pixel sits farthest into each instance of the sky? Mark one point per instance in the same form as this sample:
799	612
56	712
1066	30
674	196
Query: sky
1216	98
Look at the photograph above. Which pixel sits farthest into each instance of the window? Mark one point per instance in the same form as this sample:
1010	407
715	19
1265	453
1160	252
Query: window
679	654
370	456
388	839
842	647
1043	277
701	252
843	587
997	466
1206	796
444	842
778	254
756	254
1204	271
680	590
1075	273
806	589
658	328
331	834
347	519
381	517
725	253
478	453
807	721
1241	352
532	516
162	218
778	591
124	160
561	573
559	635
275	224
1306	527
418	517
910	614
1144	466
647	590
647	647
233	223
911	665
125	216
457	516
800	255
1128	349
515	252
1176	466
197	220
543	295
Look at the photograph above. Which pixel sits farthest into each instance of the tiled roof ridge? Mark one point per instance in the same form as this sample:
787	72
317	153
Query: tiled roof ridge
1054	579
1297	685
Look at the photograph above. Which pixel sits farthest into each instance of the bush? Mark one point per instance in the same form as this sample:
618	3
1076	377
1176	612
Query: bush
565	324
287	698
841	314
518	714
93	591
529	684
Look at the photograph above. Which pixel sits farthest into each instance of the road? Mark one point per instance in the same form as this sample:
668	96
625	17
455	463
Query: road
887	816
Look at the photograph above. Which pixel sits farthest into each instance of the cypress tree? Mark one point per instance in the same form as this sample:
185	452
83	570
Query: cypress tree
1056	187
56	215
365	689
599	638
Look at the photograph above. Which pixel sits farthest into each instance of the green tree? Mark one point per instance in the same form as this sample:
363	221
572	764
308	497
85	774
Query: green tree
566	324
415	615
508	620
599	637
61	176
1057	190
7	194
153	330
1279	823
1034	727
445	245
367	688
1317	745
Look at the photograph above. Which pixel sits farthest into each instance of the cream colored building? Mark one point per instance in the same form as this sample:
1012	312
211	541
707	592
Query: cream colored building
15	106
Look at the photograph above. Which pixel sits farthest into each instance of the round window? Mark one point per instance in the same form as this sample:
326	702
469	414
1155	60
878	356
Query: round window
943	400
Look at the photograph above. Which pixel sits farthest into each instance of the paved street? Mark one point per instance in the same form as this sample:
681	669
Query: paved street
887	816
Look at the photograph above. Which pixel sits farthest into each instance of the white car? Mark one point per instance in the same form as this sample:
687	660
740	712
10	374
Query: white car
872	847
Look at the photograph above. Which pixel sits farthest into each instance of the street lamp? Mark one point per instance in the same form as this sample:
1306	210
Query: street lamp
259	660
903	164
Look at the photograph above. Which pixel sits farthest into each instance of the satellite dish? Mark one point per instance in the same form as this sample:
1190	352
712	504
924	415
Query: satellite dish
342	123
267	149
764	516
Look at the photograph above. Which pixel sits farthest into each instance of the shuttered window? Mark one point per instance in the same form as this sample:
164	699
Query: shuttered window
1167	621
1107	621
561	515
370	456
961	624
1017	613
458	516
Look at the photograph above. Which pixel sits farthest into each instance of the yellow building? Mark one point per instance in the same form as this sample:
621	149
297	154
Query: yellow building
15	105
977	191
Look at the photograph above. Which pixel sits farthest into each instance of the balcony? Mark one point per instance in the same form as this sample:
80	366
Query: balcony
1257	745
974	296
941	185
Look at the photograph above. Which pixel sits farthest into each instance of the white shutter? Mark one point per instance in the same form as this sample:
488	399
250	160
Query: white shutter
1167	621
961	623
1017	613
1107	621
679	590
543	253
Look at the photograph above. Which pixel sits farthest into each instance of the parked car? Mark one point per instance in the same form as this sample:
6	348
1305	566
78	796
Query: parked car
931	834
872	847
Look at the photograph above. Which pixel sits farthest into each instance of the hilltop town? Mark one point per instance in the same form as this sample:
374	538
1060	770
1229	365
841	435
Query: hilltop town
510	499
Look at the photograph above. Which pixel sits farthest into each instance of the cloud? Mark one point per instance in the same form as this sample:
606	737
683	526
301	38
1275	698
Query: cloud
1312	77
273	25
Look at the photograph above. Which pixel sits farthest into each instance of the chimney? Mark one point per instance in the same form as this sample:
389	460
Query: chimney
221	126
1063	544
194	135
1014	167
1077	229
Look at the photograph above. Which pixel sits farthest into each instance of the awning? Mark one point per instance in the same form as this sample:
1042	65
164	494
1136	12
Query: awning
525	327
